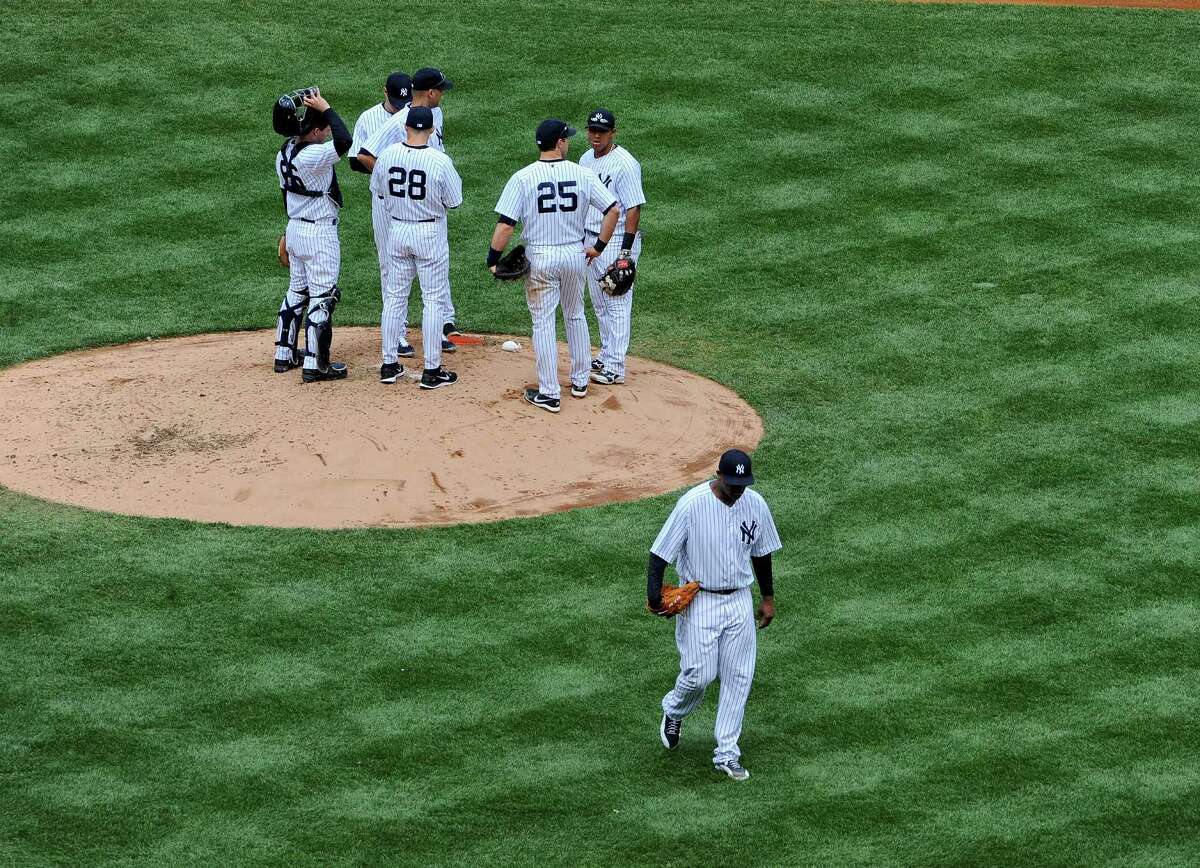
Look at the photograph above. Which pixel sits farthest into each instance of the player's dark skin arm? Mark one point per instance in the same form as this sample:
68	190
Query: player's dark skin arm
766	586
367	160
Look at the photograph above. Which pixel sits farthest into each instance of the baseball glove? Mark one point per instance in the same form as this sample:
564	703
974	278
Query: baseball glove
512	265
675	600
283	257
618	278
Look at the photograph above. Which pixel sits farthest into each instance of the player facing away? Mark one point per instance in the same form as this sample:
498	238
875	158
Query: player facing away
622	175
429	85
721	535
311	197
397	91
419	185
550	198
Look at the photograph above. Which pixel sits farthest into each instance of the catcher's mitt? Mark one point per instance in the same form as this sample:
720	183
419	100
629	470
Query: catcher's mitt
512	265
675	600
283	257
618	278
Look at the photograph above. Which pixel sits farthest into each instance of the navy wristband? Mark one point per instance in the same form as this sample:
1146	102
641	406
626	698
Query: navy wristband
627	241
599	245
493	256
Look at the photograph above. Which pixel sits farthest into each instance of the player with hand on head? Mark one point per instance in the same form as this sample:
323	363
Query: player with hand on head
622	175
429	85
419	184
720	535
311	197
397	93
550	198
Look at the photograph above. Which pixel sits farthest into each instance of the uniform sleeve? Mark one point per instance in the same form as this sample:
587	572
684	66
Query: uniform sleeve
387	135
378	182
673	536
512	200
768	537
451	187
599	196
317	156
360	131
439	130
629	186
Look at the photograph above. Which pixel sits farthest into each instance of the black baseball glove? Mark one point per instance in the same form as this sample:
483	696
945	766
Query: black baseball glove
618	278
512	265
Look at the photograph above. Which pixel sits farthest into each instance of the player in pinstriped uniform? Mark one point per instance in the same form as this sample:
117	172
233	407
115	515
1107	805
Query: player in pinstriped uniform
551	198
622	175
311	197
428	87
419	184
721	535
397	93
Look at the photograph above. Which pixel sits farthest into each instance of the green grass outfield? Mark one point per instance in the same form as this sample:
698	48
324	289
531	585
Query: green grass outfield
951	254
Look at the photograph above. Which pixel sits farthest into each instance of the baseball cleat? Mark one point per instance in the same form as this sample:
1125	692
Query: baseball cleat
406	351
537	399
389	372
579	391
597	365
282	366
733	768
607	378
669	731
335	371
437	379
450	329
448	347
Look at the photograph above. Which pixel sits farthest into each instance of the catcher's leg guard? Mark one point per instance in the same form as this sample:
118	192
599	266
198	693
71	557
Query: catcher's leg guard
319	336
291	320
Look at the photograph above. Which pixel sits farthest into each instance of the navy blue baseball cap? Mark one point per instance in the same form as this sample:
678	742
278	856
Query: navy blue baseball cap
734	468
429	78
420	117
551	130
399	88
602	119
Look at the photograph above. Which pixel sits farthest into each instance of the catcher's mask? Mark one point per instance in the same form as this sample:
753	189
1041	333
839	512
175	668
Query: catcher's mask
291	116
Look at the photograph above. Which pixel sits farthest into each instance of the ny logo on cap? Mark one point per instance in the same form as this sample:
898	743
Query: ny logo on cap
597	117
741	468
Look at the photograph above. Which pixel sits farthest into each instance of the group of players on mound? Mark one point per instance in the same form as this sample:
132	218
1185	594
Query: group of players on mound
569	213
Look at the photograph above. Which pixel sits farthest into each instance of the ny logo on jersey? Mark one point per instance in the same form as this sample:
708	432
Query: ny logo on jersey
748	532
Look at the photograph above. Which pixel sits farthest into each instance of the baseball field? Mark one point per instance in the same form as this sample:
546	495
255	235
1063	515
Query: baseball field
948	254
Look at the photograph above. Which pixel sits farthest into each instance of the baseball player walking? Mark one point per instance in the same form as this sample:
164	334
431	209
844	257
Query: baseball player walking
550	198
622	175
717	534
311	197
419	184
397	93
429	85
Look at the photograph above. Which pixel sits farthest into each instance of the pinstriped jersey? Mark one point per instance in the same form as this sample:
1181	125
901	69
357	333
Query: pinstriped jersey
622	175
308	167
416	182
367	125
393	131
712	543
551	199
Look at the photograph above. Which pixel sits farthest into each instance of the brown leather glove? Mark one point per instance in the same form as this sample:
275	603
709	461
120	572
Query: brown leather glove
675	600
283	257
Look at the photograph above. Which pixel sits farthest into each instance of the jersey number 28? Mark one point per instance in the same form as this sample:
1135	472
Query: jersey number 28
548	195
415	181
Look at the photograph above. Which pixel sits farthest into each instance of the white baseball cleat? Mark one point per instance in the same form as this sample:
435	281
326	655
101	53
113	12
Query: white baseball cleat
733	768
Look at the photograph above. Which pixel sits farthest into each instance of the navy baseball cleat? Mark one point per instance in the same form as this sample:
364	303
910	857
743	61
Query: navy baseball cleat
389	372
438	378
406	351
450	329
597	365
733	768
335	371
537	399
579	391
282	366
669	731
448	347
606	378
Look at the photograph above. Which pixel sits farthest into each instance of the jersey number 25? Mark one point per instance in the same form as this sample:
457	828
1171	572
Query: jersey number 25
548	196
415	181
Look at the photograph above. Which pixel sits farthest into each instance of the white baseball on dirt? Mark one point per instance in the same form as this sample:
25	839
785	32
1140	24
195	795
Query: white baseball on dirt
510	346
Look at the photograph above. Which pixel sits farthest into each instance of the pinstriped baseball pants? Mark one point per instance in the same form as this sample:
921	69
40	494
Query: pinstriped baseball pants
613	315
315	257
417	250
556	277
717	639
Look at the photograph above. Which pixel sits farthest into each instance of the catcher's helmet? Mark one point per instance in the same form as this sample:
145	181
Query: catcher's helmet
291	117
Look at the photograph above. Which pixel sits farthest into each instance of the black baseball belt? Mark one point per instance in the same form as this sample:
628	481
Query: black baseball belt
426	220
721	590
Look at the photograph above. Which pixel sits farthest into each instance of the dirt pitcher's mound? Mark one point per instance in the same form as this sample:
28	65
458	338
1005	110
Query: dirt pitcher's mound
201	428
